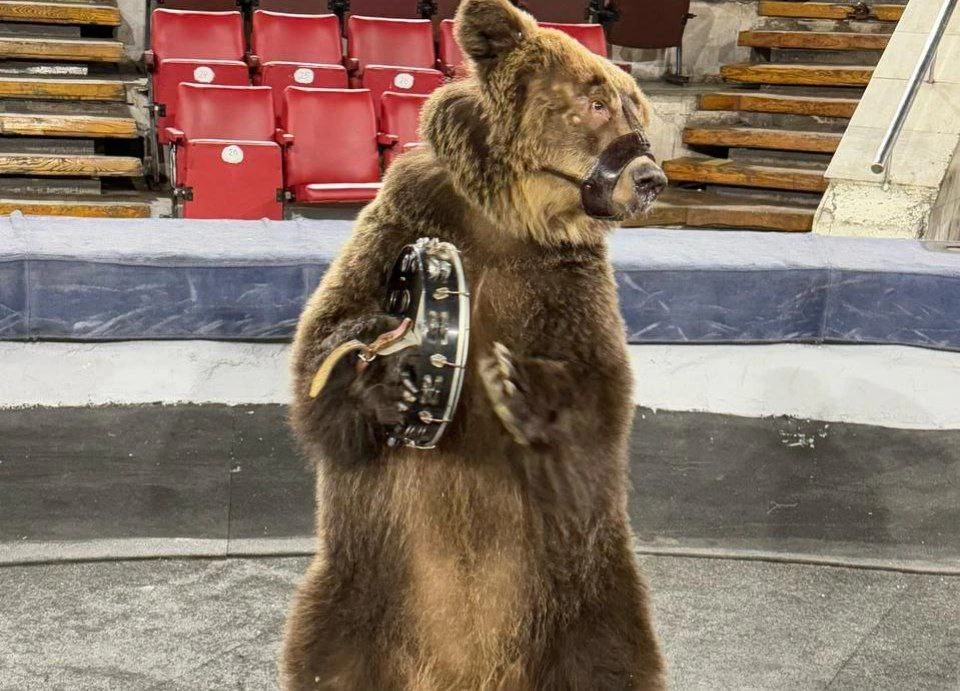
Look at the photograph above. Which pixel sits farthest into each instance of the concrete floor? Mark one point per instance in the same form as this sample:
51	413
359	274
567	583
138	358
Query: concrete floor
216	624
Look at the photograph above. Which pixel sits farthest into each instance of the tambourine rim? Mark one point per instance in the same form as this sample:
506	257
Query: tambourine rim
463	342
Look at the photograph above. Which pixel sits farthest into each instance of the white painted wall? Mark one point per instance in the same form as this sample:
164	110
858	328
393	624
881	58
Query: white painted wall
132	29
891	386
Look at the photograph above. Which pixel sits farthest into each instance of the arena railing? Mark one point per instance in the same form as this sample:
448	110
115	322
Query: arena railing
925	66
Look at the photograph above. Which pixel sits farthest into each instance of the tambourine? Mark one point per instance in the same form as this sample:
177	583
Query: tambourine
427	285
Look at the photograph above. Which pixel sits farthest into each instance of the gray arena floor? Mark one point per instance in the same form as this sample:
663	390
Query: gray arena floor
725	624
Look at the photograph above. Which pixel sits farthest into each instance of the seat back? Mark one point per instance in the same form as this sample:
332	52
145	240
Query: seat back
451	57
243	113
590	35
401	42
394	9
561	11
200	5
308	38
400	115
638	27
335	136
196	35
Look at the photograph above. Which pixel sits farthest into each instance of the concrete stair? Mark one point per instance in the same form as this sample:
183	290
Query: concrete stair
760	146
69	142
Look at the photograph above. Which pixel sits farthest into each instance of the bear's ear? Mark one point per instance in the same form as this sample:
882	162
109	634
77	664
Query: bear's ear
487	30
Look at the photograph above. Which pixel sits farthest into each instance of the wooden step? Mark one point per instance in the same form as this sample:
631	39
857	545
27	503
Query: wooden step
813	40
760	102
72	89
52	49
77	166
51	12
48	125
91	208
706	210
816	75
759	138
720	171
828	10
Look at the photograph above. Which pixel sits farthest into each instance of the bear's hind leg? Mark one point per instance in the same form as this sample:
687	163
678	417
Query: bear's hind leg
329	644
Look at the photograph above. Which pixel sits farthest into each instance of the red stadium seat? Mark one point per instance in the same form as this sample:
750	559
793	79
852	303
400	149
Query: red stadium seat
402	42
561	11
199	5
590	35
330	145
226	162
296	50
379	79
201	47
399	124
450	57
400	50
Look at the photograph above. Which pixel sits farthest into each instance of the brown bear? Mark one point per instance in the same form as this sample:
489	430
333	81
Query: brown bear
502	559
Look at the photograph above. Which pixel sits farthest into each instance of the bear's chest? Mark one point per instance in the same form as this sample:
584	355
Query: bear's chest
550	309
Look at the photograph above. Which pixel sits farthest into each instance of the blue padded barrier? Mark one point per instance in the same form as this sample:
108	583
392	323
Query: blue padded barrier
80	279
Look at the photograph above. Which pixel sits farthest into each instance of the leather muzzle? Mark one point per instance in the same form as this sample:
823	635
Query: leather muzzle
597	188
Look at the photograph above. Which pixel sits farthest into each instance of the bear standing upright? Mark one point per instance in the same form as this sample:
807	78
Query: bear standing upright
503	559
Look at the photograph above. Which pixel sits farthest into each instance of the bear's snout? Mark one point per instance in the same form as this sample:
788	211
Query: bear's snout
649	179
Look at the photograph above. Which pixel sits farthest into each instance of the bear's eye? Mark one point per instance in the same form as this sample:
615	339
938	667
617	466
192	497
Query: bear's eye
599	106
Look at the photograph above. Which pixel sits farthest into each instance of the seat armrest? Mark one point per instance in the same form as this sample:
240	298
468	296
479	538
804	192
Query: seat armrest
352	65
175	135
387	140
149	60
412	145
284	139
253	61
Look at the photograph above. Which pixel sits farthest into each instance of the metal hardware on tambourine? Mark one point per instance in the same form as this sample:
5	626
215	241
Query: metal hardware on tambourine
427	285
439	269
444	293
428	419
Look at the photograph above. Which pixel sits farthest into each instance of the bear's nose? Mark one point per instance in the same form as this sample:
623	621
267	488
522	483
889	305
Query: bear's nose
649	179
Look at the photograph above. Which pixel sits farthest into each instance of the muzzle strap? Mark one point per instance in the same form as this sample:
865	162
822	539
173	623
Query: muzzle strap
596	189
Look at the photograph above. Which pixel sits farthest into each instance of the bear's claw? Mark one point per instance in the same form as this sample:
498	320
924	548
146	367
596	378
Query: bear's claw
500	379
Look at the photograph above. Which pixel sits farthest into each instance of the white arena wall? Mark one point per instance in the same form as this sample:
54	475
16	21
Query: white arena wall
889	386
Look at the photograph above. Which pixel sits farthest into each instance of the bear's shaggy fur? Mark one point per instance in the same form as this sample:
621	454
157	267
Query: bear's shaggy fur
503	559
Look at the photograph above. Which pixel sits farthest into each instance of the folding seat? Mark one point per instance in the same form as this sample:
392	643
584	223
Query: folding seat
330	145
449	56
590	35
391	55
199	5
202	47
399	124
226	162
296	50
559	11
637	27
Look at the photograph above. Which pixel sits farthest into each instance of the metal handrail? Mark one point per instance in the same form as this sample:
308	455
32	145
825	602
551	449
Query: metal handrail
913	86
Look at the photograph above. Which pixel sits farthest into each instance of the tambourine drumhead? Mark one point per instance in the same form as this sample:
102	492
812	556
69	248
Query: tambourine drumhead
427	285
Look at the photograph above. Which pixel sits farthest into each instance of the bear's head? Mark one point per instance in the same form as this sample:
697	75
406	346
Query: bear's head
544	137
